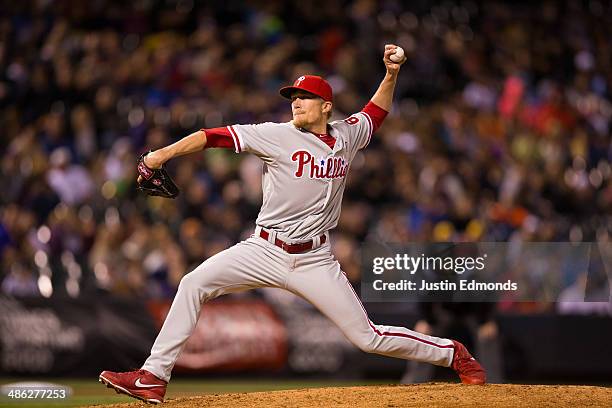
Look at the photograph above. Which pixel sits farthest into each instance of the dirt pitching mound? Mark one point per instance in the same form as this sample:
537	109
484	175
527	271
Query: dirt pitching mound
430	395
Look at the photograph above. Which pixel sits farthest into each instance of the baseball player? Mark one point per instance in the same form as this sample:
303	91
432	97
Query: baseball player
305	164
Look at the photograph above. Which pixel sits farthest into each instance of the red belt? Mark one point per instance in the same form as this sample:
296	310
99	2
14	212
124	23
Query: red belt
292	248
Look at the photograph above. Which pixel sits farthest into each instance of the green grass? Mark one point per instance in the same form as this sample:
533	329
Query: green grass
90	392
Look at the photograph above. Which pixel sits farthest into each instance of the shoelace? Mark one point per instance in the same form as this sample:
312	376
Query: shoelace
139	370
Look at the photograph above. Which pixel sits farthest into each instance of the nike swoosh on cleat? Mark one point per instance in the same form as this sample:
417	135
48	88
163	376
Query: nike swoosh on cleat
141	385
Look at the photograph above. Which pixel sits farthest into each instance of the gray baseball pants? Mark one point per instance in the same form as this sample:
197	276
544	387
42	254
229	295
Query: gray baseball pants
314	275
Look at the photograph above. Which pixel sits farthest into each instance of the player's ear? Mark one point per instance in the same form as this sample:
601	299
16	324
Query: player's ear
326	107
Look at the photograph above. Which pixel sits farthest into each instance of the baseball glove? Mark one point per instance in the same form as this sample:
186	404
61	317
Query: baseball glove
155	182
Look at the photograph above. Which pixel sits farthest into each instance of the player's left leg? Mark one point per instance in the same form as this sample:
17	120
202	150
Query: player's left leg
249	264
318	278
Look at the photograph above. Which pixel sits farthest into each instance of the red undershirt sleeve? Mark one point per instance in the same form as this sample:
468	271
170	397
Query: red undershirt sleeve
219	137
376	113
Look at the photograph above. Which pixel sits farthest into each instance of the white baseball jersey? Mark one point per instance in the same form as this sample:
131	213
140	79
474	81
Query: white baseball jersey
303	178
303	182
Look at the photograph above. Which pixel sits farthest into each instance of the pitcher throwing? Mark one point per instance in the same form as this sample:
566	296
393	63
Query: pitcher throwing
305	164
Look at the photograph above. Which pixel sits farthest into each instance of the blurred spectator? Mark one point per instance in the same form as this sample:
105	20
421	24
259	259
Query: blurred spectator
71	182
20	281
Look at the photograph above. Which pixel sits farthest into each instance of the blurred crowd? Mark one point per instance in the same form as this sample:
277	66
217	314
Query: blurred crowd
500	129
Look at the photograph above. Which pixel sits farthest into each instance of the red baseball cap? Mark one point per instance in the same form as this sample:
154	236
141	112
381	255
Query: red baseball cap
309	83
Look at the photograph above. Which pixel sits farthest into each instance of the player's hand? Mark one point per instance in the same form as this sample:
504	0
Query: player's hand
392	67
155	181
153	160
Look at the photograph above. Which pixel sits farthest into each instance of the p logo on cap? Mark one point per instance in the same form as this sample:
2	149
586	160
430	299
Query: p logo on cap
310	83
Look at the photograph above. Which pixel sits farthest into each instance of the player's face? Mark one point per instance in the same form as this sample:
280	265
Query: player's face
308	109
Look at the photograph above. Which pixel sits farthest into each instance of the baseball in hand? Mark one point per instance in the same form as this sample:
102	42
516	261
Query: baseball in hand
398	56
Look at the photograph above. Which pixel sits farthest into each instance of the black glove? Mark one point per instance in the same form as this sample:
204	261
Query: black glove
155	182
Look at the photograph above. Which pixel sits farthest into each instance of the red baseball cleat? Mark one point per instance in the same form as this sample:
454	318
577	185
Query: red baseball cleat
467	367
139	384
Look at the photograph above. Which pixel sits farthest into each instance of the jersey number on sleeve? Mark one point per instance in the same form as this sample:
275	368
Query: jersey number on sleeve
353	120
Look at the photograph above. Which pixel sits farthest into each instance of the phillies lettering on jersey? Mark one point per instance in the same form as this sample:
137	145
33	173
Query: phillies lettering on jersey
331	167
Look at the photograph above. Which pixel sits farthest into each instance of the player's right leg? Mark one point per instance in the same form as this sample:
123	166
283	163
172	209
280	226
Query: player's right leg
247	265
319	279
